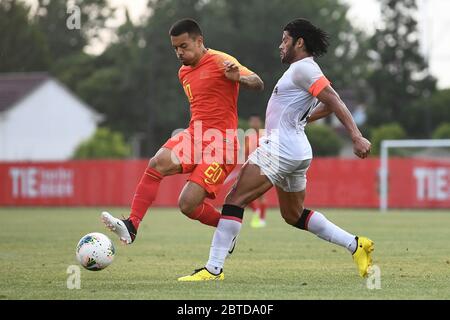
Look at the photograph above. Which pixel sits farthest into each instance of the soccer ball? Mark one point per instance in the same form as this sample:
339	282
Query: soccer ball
95	251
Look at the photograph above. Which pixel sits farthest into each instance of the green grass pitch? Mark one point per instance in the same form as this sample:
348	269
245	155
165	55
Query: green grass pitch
412	250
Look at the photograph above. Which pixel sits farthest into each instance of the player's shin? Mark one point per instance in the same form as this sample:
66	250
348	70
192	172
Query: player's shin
145	194
316	223
228	228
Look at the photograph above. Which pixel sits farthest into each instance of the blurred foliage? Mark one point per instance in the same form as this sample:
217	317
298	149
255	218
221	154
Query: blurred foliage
442	132
134	82
243	124
52	17
425	115
75	68
324	140
37	40
103	144
400	75
23	46
114	83
391	131
241	29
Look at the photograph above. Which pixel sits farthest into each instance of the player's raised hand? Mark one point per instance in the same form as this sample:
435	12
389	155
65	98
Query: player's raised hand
361	147
232	71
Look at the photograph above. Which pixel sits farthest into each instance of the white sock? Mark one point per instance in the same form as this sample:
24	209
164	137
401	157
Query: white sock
223	236
325	229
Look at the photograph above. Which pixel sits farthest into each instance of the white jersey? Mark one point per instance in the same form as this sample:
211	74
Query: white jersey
291	102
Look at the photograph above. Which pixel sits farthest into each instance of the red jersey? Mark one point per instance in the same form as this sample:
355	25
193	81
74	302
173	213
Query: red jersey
212	97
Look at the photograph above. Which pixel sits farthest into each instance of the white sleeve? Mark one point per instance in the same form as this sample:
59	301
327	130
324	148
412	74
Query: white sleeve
309	77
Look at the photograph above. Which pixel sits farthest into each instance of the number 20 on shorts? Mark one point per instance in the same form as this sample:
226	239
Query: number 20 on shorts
213	173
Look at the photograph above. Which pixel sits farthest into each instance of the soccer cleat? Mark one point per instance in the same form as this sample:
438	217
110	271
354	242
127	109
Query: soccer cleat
123	228
257	222
202	275
362	254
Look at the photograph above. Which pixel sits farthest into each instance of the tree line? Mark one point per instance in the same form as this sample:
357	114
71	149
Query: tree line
134	82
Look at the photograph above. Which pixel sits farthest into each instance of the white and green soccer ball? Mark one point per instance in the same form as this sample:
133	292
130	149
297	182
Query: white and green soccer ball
95	251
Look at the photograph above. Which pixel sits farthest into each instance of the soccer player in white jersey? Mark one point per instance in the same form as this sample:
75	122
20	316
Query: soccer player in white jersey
284	154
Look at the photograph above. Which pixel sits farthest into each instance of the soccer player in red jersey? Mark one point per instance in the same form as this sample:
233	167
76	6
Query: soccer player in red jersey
251	143
208	148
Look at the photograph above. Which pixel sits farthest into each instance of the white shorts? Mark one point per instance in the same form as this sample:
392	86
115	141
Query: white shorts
288	174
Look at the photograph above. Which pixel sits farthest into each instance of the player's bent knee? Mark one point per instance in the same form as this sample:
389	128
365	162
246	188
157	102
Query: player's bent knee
155	163
162	165
186	207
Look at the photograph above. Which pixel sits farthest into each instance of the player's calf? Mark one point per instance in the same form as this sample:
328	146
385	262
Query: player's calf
192	204
206	214
163	162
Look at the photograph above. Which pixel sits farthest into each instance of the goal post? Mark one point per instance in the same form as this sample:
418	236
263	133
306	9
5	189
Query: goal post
384	168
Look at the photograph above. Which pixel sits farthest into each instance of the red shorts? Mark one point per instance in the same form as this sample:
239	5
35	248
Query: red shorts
208	162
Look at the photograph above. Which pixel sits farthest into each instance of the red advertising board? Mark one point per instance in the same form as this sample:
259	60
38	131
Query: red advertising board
332	182
419	183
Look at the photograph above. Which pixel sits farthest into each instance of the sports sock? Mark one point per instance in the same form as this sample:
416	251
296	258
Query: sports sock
316	223
206	214
229	226
262	212
252	205
144	195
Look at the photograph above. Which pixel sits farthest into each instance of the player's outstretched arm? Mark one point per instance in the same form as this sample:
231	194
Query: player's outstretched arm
319	112
329	97
252	81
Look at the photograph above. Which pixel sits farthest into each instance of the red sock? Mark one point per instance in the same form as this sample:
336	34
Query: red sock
252	205
262	210
144	195
206	214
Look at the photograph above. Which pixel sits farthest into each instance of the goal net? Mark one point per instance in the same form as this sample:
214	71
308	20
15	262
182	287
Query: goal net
415	174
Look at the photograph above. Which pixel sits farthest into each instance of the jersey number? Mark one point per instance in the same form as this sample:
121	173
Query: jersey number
213	173
188	91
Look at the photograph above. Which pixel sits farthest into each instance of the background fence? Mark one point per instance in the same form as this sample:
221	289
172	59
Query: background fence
332	182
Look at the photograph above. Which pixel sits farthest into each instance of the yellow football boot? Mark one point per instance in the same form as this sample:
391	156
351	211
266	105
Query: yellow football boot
202	275
255	221
362	254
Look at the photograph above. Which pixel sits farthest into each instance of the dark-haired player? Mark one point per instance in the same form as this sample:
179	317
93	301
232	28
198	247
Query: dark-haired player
208	148
284	154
